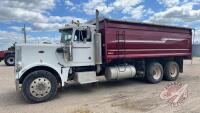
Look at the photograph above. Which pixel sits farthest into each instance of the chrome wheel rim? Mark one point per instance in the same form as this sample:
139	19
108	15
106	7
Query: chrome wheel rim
40	87
11	60
157	73
173	71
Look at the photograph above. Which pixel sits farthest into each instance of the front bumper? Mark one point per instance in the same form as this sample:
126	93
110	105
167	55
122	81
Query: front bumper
18	85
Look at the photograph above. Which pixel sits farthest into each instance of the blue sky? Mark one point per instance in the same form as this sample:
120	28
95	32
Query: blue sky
44	18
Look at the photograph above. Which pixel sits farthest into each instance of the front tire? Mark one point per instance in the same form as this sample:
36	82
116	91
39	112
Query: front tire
154	73
9	59
39	86
171	71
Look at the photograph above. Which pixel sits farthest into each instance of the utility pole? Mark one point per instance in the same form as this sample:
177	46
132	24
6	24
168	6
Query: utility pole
24	30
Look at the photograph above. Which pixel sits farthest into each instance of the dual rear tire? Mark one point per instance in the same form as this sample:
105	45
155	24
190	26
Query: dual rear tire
171	72
155	72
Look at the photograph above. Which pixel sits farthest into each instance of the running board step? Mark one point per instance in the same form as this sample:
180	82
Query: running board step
85	77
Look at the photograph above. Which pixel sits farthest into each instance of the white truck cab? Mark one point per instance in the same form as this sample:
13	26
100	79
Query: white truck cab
41	68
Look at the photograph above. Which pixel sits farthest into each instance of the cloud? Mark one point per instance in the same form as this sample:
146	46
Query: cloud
18	14
54	23
136	13
125	4
134	8
25	10
90	7
68	3
35	12
169	3
46	26
19	28
8	38
65	19
184	13
130	7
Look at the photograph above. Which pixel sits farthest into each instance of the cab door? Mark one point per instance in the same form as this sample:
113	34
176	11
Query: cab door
83	47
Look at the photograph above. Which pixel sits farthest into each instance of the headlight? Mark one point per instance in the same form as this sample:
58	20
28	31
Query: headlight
18	66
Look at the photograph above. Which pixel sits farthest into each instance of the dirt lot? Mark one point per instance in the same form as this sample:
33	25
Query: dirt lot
125	96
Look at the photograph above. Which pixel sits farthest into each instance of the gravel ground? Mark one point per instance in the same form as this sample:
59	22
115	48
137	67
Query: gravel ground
125	96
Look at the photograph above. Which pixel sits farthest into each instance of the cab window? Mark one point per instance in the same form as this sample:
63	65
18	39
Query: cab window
66	35
82	36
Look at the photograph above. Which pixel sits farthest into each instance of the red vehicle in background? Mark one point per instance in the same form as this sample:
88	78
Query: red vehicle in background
8	56
2	54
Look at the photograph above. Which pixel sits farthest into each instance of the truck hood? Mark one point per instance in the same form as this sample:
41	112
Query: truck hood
38	45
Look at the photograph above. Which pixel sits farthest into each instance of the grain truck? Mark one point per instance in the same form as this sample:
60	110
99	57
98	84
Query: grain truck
111	48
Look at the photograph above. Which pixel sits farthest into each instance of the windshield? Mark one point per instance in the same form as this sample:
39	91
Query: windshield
66	35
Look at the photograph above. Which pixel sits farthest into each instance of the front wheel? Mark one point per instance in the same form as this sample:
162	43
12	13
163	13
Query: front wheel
39	86
9	60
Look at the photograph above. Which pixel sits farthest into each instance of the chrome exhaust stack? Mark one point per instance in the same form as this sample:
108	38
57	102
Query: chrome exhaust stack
97	21
98	51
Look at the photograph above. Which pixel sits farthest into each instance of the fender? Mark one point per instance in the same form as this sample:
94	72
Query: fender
63	75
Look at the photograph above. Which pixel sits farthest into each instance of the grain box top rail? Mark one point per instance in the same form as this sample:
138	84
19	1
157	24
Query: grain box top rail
139	23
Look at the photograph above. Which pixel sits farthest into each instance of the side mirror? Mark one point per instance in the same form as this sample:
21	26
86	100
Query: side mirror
71	51
88	34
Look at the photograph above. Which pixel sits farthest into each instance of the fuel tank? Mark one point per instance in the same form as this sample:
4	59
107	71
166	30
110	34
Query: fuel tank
120	72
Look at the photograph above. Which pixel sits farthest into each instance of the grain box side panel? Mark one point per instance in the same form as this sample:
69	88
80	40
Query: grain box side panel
144	42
